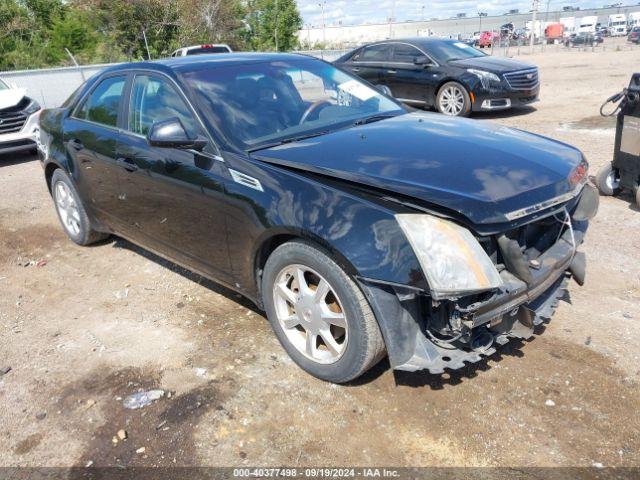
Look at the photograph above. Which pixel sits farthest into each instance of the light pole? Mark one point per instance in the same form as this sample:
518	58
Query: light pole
480	15
324	24
534	12
275	30
392	17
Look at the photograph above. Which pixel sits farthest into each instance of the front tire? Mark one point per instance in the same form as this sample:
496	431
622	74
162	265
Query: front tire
71	212
607	180
320	316
453	100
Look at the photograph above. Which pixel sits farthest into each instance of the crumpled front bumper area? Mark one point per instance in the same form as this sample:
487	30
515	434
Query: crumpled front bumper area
512	312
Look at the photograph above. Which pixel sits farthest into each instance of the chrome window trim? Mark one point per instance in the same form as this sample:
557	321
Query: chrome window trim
391	43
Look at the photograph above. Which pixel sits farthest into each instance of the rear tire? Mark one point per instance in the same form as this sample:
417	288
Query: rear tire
607	180
638	196
302	318
453	100
71	212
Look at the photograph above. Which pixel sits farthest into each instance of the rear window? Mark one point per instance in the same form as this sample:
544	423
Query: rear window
203	50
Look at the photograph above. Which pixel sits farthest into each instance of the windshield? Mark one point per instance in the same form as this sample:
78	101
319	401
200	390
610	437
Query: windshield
3	86
265	103
448	50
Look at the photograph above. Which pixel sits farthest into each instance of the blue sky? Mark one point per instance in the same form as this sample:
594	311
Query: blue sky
359	11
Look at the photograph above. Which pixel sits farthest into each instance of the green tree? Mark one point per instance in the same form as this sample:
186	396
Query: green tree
273	24
73	32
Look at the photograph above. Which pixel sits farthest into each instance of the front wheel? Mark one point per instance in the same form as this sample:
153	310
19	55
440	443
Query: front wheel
607	180
453	100
319	314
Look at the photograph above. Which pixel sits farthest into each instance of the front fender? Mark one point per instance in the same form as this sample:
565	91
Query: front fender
362	235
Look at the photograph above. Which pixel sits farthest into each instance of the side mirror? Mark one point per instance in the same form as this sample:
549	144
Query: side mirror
422	61
384	89
172	134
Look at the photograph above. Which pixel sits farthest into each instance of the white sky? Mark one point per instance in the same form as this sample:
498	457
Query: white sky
372	11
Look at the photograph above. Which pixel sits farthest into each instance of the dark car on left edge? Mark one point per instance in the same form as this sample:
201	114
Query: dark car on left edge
449	75
362	229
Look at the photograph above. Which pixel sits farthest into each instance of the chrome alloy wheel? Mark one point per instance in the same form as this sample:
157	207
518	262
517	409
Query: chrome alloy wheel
310	314
452	101
67	208
612	181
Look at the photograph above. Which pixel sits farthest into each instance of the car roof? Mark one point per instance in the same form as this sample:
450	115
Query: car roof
199	62
204	45
418	41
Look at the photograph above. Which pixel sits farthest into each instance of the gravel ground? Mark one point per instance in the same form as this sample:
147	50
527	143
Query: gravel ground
85	327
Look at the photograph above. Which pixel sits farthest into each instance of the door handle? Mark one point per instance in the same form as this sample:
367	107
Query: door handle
127	164
76	144
355	69
392	71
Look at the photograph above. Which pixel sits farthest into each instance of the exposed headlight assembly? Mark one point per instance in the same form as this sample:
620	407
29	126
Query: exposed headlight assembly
33	107
485	77
451	258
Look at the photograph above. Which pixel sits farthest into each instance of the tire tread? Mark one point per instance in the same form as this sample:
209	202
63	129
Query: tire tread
375	348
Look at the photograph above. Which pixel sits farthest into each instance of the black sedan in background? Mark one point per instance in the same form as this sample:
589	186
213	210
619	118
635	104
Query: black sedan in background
583	39
448	75
360	228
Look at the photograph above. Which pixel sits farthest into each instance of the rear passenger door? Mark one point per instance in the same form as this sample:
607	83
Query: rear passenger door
90	138
173	198
370	63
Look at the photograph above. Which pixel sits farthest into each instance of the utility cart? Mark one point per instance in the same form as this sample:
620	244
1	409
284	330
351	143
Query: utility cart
624	172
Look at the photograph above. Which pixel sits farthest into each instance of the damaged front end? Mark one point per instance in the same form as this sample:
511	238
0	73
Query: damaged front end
534	261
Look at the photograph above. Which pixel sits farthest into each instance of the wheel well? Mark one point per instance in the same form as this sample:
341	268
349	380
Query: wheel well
447	80
269	245
48	173
263	253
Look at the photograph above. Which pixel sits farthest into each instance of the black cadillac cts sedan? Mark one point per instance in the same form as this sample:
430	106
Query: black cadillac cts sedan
449	75
362	229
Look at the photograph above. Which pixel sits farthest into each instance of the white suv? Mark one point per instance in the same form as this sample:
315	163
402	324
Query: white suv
18	119
202	49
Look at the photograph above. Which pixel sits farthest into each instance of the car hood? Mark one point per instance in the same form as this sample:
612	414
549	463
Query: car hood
492	64
11	97
480	170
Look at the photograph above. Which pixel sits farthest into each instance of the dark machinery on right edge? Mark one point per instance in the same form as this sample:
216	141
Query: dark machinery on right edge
624	171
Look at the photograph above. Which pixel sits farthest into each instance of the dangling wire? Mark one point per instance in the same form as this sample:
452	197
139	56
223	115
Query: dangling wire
614	99
566	222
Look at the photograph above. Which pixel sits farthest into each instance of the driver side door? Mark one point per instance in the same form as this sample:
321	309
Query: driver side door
174	199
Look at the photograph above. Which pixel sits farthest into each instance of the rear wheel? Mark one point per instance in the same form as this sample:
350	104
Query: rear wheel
608	180
319	314
453	100
638	196
71	212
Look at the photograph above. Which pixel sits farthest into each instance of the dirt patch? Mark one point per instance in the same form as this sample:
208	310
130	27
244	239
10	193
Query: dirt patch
20	245
28	444
593	123
159	435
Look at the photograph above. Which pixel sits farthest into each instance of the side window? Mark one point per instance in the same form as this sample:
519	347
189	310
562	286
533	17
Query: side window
403	53
375	53
155	100
102	105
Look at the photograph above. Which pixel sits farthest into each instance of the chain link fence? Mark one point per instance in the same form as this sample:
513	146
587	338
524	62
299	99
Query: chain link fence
52	86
